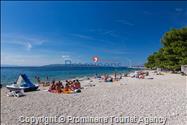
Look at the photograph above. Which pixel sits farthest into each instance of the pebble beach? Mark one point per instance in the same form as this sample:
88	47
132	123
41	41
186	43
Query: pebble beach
162	100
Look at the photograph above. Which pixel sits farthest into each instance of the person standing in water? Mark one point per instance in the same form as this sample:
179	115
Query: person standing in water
115	76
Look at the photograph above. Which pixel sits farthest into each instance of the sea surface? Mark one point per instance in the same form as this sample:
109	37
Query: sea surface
10	74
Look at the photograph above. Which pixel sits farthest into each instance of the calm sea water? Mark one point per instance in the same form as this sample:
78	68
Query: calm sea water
10	74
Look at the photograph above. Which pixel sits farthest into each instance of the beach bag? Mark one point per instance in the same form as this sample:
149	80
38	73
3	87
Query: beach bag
77	90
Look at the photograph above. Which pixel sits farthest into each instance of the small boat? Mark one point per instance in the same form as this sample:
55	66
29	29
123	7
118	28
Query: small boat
22	83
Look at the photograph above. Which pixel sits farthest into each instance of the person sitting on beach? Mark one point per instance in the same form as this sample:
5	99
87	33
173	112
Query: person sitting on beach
68	82
147	73
141	77
52	87
53	81
125	75
60	84
112	79
67	88
109	79
105	78
120	76
77	84
71	84
58	87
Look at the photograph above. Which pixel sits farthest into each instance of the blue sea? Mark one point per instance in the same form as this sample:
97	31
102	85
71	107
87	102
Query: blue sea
10	74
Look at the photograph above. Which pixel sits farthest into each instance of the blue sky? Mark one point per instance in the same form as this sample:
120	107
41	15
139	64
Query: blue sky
40	33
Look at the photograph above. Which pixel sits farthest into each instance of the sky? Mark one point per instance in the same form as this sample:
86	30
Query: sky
44	32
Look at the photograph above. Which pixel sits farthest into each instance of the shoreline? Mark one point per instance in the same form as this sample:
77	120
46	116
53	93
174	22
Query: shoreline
78	77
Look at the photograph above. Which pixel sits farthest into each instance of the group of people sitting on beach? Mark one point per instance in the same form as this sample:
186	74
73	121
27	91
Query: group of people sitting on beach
139	74
70	87
108	78
136	74
75	86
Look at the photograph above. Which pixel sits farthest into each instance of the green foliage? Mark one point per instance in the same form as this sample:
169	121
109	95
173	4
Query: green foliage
173	54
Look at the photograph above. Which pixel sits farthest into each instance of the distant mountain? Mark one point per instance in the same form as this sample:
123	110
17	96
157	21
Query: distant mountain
7	65
71	65
53	65
76	65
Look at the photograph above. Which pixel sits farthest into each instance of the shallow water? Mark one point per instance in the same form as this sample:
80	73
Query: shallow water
10	74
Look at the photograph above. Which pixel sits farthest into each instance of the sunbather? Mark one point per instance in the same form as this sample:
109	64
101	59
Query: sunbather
58	88
52	87
67	89
60	84
109	79
77	84
141	76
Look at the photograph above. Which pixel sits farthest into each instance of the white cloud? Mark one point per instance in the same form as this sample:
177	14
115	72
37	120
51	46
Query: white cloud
29	46
82	36
65	56
28	60
26	42
105	32
125	22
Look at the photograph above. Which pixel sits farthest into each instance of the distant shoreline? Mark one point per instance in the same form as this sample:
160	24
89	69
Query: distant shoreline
10	74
